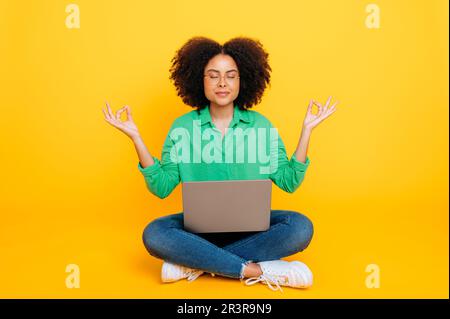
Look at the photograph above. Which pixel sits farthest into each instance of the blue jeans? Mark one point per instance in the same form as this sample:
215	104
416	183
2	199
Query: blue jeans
227	254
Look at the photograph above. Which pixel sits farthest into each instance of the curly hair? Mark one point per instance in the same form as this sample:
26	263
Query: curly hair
190	60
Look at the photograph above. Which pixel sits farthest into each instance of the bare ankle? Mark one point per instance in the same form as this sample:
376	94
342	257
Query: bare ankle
252	270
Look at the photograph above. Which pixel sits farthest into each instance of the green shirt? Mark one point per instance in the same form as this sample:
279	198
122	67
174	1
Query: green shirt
199	153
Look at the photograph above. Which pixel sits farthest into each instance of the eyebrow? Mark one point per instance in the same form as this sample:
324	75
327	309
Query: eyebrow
219	71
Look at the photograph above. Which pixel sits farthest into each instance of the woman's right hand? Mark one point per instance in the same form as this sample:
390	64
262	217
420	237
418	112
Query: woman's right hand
128	126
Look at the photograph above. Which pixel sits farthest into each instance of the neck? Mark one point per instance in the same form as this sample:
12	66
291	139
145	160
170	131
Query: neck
221	112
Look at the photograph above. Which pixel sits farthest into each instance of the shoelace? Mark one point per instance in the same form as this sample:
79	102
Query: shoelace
194	274
268	279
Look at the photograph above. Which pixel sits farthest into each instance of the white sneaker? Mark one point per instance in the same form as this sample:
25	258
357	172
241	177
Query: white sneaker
173	272
283	273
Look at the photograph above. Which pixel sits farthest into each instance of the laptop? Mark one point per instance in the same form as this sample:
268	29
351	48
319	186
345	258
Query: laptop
227	206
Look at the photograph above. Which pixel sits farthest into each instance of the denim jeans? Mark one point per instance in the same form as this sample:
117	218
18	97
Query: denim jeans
227	254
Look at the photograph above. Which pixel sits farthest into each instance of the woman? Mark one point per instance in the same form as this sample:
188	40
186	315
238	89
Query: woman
222	83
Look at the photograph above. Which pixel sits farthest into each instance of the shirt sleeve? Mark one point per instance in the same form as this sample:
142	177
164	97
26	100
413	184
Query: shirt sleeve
288	174
163	176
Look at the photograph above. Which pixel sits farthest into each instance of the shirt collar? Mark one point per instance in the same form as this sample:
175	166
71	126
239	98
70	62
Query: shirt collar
238	115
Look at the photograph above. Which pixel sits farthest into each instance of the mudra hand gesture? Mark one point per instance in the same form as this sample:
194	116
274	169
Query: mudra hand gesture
312	120
128	126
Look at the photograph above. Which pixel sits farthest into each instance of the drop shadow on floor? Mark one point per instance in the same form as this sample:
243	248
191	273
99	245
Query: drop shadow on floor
150	267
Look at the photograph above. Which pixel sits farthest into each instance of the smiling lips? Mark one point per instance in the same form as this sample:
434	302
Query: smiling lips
222	94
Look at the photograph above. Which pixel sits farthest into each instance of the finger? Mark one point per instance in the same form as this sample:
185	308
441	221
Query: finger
328	101
109	110
319	106
329	113
333	106
106	115
321	109
110	122
118	113
130	117
309	109
108	118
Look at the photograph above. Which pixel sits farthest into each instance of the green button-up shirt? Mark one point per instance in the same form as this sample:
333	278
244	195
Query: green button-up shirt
194	150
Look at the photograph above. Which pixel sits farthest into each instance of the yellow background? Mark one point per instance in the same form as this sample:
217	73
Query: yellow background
376	189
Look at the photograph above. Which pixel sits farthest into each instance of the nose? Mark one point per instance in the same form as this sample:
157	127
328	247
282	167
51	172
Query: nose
222	82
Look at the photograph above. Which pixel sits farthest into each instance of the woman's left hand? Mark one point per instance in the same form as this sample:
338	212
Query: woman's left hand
312	120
